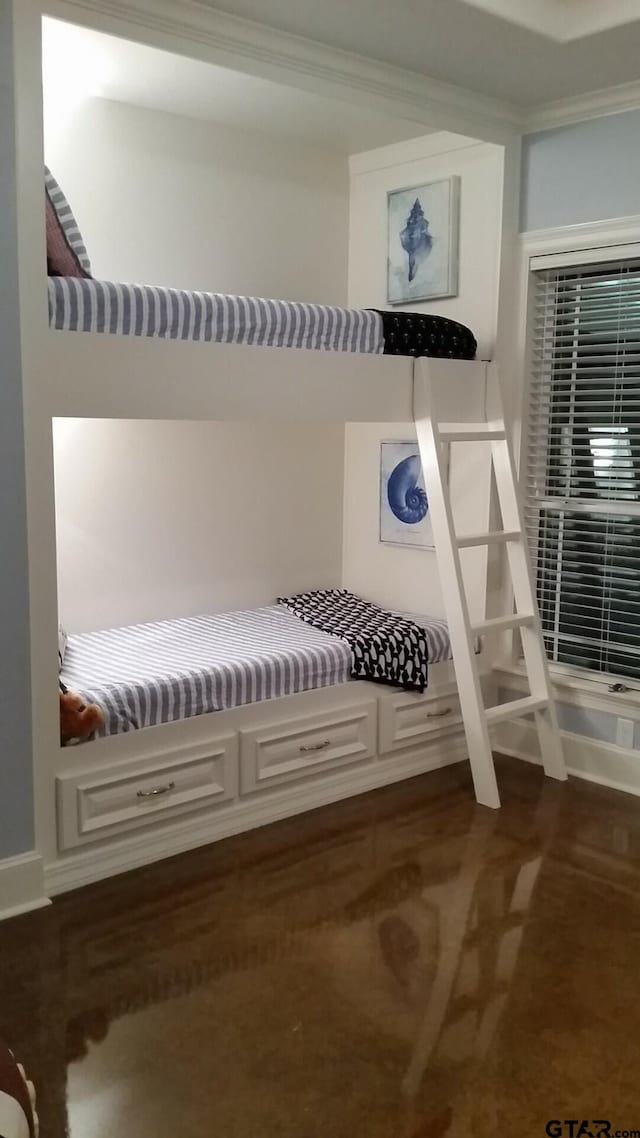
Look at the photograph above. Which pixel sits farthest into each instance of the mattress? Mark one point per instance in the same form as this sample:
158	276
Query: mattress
148	674
80	305
86	305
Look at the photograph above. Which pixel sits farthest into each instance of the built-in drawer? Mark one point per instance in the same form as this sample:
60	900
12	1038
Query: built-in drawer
306	746
96	803
409	719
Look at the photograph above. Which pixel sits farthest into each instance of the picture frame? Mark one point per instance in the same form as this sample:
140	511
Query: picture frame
423	237
404	518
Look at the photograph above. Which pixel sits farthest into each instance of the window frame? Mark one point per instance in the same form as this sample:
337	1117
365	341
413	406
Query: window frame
571	246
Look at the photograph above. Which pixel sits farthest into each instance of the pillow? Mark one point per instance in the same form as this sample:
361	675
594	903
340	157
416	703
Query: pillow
66	253
62	644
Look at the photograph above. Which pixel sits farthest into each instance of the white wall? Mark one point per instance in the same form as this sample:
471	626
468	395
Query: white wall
392	575
480	168
160	519
171	201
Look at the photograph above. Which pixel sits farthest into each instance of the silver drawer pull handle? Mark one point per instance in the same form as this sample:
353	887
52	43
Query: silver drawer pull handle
439	714
156	791
316	747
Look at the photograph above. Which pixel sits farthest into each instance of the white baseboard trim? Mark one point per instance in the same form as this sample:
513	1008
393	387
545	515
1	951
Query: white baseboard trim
602	763
95	864
21	885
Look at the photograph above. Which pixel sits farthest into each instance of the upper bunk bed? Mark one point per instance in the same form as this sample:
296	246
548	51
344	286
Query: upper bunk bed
141	351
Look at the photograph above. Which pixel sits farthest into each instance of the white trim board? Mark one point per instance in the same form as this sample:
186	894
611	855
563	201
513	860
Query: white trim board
580	108
21	885
96	375
188	833
602	763
575	688
596	235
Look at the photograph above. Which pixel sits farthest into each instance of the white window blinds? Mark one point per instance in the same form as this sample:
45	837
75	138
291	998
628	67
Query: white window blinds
582	463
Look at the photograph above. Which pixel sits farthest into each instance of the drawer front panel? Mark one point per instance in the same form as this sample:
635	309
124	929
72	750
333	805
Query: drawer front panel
301	748
410	719
95	804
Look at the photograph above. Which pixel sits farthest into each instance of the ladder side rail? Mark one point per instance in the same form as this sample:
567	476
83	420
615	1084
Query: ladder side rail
526	601
454	593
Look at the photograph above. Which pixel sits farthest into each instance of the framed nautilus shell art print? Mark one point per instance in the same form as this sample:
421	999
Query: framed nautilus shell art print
422	241
404	506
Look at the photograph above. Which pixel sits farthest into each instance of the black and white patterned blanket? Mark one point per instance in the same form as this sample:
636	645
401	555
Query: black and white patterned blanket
384	647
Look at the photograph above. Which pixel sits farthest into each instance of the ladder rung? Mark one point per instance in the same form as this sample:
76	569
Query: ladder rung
467	541
470	432
503	623
515	708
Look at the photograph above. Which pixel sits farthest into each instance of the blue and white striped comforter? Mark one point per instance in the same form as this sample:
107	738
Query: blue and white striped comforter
80	305
148	674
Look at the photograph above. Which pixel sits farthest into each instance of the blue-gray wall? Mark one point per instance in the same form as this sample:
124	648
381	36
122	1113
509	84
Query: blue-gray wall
16	771
586	172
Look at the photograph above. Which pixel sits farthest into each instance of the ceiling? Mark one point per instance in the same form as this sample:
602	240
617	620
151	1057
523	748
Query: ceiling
78	62
521	51
563	20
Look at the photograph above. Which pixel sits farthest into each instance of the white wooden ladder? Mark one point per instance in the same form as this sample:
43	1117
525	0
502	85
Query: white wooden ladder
434	396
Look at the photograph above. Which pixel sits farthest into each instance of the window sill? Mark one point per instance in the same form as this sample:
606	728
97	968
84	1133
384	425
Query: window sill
574	688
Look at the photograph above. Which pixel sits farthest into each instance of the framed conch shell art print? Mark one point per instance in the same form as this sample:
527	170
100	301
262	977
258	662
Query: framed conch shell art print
422	241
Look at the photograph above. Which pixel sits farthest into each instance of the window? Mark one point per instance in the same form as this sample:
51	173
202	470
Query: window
582	475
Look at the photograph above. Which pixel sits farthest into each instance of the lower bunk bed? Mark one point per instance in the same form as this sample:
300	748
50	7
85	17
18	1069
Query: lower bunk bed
149	674
294	731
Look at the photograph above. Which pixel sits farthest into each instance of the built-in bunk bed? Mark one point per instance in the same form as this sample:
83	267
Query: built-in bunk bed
147	674
216	723
79	303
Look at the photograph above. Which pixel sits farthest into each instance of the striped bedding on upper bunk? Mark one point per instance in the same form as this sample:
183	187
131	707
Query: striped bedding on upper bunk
78	303
85	305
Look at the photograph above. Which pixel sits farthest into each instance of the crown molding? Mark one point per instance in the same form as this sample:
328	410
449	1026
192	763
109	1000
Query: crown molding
581	108
585	235
196	29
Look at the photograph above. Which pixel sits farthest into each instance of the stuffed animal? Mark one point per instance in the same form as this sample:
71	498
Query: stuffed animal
78	720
